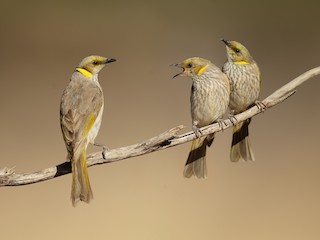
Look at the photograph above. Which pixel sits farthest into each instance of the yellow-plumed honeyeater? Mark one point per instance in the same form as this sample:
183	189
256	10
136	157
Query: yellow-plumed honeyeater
80	118
209	101
245	83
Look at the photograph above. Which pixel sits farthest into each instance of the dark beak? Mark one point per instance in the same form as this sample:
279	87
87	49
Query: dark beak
225	41
110	60
177	65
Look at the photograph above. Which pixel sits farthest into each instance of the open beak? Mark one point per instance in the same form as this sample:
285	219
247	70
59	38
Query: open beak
177	65
110	60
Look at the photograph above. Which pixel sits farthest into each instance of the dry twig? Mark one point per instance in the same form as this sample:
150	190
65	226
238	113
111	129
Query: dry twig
165	140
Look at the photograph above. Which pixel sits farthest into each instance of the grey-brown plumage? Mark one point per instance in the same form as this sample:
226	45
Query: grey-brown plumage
209	102
244	76
81	111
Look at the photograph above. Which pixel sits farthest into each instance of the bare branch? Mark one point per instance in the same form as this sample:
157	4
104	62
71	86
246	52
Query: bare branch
165	140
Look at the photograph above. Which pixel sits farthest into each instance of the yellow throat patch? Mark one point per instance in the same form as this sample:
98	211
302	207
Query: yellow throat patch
84	72
202	69
242	62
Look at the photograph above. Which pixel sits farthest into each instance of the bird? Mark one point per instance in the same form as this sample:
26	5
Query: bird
245	82
81	111
209	102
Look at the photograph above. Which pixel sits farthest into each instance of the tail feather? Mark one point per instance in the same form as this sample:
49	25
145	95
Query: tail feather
241	147
81	189
196	163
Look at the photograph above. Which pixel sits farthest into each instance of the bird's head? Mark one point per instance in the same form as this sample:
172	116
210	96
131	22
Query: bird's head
237	53
93	64
192	67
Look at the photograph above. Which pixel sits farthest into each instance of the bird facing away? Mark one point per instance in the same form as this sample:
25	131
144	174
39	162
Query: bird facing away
209	102
245	83
81	111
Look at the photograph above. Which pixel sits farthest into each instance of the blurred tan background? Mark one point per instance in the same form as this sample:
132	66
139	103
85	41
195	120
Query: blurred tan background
277	197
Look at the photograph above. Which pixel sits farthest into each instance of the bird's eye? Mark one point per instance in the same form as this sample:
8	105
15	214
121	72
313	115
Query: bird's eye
189	65
237	50
95	63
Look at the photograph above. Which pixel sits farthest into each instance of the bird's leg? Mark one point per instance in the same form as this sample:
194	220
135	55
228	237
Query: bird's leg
195	129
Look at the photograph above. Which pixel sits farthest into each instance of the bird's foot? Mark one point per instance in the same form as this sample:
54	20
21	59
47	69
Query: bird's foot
221	122
196	131
232	118
261	106
104	148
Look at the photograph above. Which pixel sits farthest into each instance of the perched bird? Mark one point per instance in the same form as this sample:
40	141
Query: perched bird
245	83
80	118
209	102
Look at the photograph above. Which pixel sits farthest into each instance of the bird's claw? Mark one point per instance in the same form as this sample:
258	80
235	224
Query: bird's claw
220	123
261	106
232	118
104	148
196	131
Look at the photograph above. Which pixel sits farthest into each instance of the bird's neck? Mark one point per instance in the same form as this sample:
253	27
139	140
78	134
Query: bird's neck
241	61
84	72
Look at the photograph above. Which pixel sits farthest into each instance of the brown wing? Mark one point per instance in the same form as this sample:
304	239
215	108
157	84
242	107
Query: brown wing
80	103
